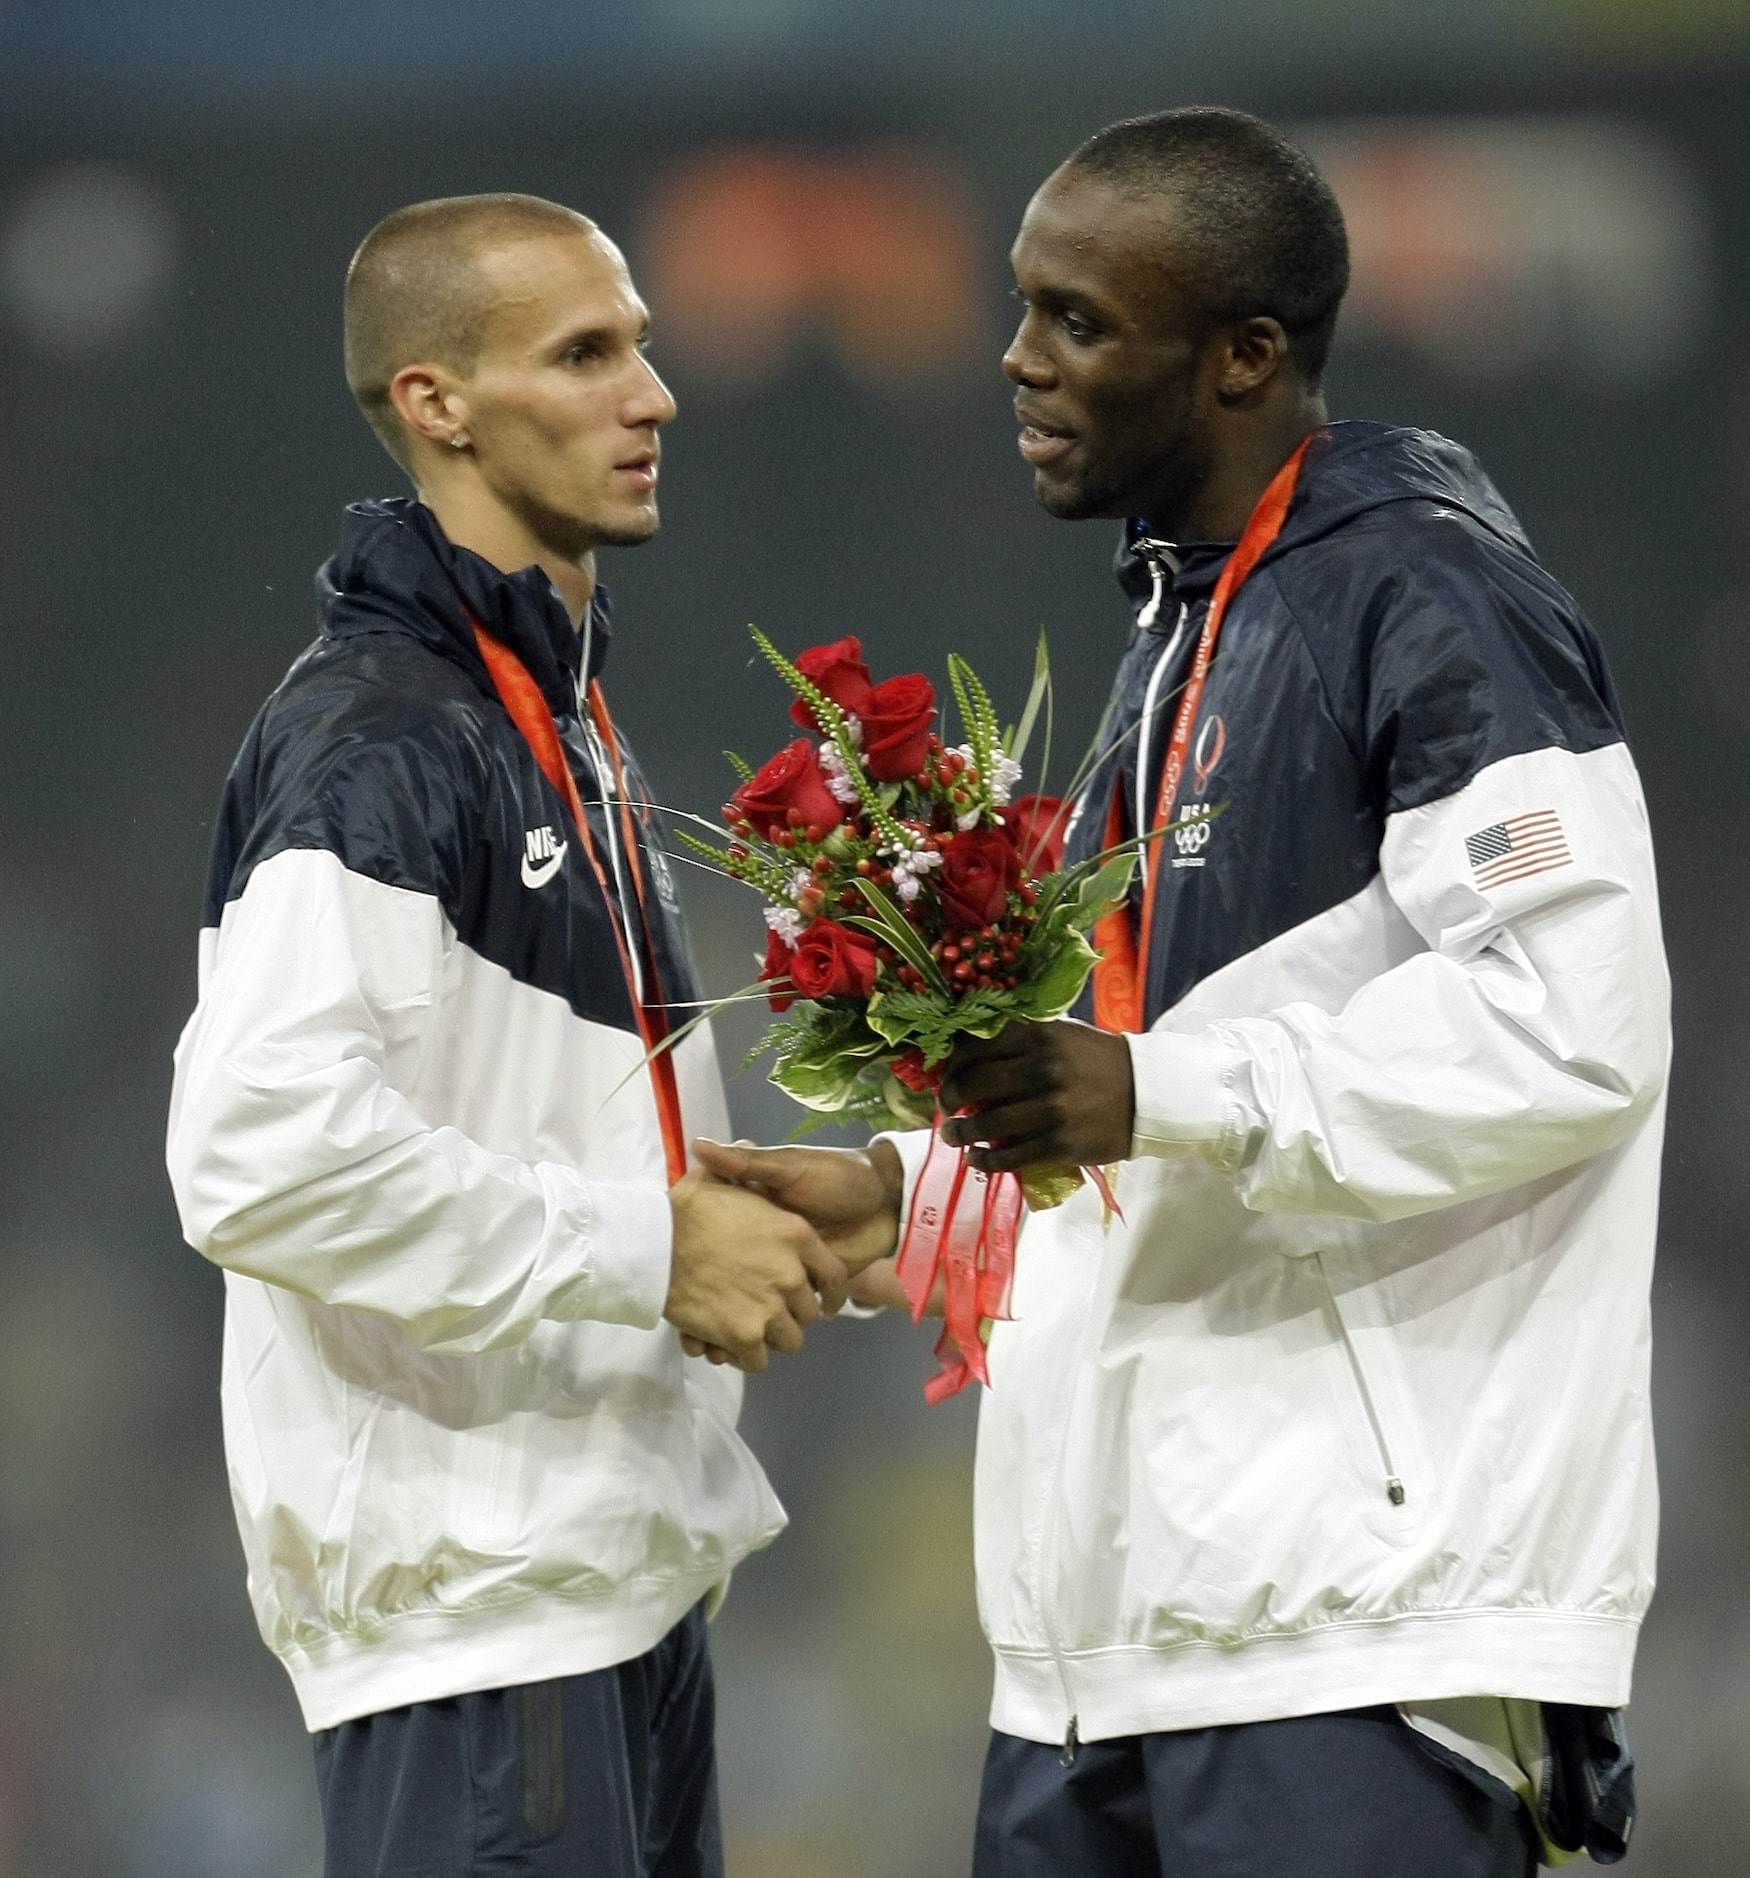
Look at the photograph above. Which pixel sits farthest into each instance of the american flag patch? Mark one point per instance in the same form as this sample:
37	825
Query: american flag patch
1510	850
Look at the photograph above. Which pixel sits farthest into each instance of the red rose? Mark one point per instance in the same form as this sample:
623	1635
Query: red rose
793	779
777	965
831	961
839	671
896	718
978	869
1036	826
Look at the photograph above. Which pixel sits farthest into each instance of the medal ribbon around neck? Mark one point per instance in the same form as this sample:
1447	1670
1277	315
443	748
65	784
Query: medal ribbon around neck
530	712
1121	977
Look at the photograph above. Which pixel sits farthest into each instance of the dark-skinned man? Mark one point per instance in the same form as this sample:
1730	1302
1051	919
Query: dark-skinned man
1315	1499
484	1494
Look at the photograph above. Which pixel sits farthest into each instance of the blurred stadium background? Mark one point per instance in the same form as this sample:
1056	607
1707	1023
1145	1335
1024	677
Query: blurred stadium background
1550	207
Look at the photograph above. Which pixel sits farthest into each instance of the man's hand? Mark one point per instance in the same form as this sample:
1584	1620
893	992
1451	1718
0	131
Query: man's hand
747	1276
877	1287
1043	1092
850	1196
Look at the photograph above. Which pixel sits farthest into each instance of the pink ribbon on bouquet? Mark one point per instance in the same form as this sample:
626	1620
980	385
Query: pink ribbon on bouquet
962	1225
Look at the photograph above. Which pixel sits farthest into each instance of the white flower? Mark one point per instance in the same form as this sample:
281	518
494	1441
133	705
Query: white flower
854	728
970	819
838	778
801	880
786	922
908	865
1006	773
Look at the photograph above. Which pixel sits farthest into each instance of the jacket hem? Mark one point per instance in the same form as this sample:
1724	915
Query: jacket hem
1546	1656
425	1655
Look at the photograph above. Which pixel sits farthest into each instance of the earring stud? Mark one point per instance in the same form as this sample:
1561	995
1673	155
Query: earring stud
459	440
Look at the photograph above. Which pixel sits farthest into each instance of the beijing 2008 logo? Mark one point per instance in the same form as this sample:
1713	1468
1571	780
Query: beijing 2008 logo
1206	752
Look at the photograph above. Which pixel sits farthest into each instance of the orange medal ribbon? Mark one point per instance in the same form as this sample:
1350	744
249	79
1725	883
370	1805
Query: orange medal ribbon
1121	977
531	714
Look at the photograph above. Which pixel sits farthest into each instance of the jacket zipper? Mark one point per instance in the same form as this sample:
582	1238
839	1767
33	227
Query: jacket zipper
1394	1486
604	782
1048	1549
1149	697
1047	1585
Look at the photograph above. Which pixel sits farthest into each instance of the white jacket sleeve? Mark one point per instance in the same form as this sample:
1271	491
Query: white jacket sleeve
1530	1034
299	1156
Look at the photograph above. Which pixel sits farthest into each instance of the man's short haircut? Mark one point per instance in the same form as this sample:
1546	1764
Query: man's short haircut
1263	229
415	291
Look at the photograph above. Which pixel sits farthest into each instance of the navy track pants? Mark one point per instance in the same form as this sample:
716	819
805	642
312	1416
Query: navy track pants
1357	1794
607	1775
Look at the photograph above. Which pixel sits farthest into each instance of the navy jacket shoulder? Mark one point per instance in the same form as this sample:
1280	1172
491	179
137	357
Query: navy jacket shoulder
1397	638
386	746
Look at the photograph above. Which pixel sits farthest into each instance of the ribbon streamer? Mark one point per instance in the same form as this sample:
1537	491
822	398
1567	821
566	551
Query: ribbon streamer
963	1227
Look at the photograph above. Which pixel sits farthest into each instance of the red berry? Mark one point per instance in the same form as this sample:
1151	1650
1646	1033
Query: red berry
950	952
962	971
784	838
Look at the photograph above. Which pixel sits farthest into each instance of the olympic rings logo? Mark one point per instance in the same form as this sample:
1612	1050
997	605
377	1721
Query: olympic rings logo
1191	837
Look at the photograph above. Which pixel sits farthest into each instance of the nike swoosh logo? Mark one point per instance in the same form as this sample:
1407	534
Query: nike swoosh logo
539	876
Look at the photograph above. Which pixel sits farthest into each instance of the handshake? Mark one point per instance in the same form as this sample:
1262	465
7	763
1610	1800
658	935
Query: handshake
767	1240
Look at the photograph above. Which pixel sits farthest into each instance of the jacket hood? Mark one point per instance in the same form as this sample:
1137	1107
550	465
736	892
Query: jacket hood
1351	467
397	571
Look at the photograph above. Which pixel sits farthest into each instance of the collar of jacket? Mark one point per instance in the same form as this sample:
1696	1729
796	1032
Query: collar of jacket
397	571
1351	468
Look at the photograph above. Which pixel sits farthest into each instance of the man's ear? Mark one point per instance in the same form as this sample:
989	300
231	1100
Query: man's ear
430	404
1256	350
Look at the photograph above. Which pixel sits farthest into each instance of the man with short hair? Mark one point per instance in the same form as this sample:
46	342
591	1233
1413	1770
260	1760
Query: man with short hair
484	1496
1315	1501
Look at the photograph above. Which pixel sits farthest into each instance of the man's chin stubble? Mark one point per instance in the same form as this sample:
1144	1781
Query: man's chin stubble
628	537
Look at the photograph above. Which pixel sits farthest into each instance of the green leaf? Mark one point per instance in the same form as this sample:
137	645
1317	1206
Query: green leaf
821	1054
1015	743
887	922
929	1021
912	1108
740	765
1105	888
1049	993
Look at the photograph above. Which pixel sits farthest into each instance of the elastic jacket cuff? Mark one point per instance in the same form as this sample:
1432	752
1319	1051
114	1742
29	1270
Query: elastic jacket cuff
1191	1093
630	1251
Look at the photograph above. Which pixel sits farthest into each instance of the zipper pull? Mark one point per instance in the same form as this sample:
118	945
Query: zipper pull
1158	574
1394	1490
1070	1743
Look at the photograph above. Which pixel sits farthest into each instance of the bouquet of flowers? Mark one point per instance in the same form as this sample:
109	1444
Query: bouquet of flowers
911	898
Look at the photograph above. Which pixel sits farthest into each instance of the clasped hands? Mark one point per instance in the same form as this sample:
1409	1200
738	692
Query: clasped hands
768	1240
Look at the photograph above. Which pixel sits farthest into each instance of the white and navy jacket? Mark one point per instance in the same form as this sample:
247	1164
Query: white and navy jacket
410	1121
1351	1407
